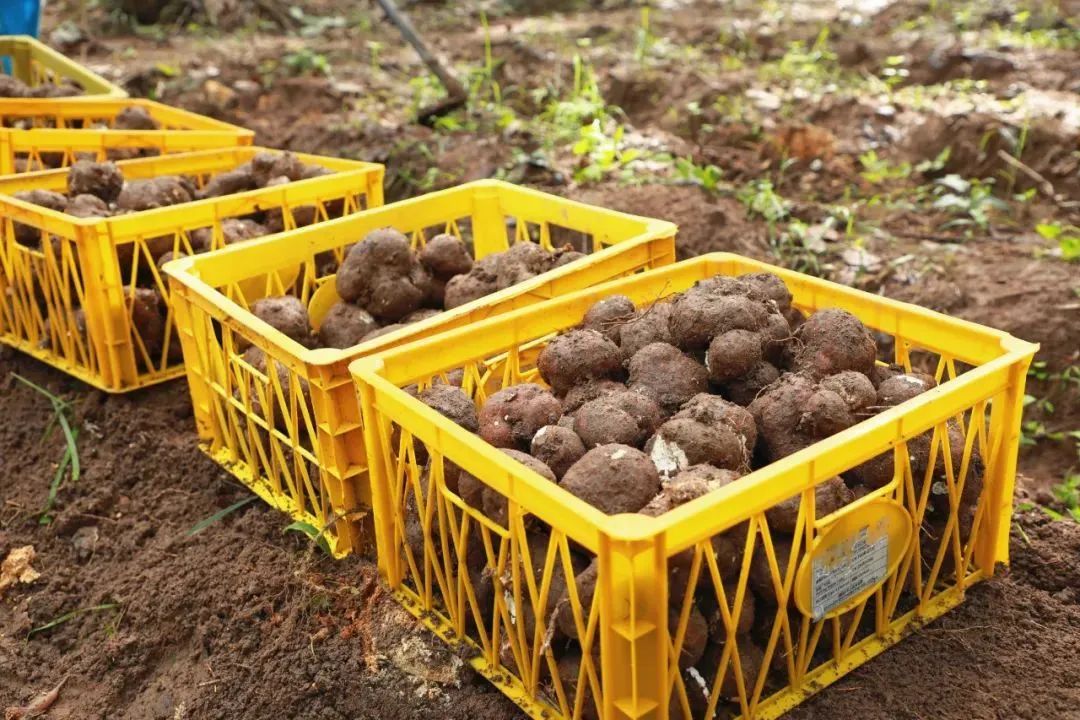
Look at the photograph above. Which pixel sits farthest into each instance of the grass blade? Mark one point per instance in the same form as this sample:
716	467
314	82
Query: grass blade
54	487
68	616
72	448
34	386
207	522
313	533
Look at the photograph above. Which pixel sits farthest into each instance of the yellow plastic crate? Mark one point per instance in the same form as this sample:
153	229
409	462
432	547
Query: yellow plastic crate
35	64
308	459
466	577
45	134
89	263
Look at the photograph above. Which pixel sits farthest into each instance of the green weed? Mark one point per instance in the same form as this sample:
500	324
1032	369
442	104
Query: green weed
224	512
69	465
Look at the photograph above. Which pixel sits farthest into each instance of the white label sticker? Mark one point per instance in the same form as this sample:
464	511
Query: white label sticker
848	568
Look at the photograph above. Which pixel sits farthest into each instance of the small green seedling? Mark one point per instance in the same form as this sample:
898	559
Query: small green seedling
70	616
313	533
69	461
224	512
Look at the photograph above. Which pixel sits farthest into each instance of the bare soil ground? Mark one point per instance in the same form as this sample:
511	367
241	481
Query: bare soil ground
244	621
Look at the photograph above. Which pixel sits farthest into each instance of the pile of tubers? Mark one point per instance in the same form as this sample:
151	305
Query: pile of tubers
100	190
13	88
645	409
384	284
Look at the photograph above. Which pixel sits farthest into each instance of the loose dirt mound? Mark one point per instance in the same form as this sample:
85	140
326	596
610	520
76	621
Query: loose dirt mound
239	621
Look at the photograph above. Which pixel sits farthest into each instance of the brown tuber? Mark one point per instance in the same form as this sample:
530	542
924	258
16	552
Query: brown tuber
626	417
382	275
512	416
446	256
557	447
608	315
577	357
667	375
285	314
613	478
102	180
831	341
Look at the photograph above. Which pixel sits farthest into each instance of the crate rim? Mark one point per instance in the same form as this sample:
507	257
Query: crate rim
82	105
359	167
185	271
78	71
763	487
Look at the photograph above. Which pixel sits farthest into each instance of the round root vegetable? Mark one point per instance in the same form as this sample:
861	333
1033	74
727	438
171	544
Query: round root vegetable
825	414
454	403
829	496
135	117
608	315
525	611
712	409
102	180
575	681
776	336
557	447
626	418
613	478
667	375
881	373
148	319
831	341
734	354
493	503
523	261
512	416
285	314
87	206
274	412
481	280
267	166
565	256
794	412
973	478
901	388
462	289
751	661
744	390
585	585
154	193
445	256
644	328
229	182
12	87
760	576
771	286
31	236
233	230
345	325
718	630
590	390
382	275
690	484
695	635
577	357
854	388
682	442
714	307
